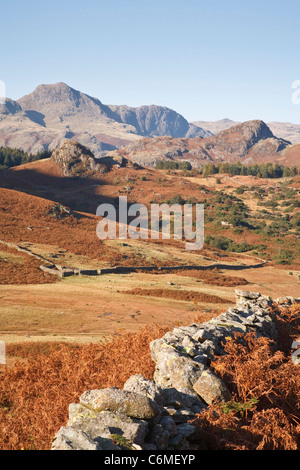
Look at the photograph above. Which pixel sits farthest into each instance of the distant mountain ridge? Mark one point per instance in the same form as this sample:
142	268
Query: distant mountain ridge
283	130
52	113
216	126
249	142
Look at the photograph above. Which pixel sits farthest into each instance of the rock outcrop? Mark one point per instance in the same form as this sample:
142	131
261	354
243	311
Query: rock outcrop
76	160
155	414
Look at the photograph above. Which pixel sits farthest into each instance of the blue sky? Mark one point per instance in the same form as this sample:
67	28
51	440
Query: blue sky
206	59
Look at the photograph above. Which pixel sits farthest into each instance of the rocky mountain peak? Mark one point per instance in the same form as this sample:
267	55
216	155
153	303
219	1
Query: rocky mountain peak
237	140
252	131
59	101
49	94
153	120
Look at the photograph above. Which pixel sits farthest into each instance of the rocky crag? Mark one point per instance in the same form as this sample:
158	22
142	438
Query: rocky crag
156	120
156	414
75	159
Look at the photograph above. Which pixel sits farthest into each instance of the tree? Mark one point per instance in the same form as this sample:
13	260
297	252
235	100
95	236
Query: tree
10	157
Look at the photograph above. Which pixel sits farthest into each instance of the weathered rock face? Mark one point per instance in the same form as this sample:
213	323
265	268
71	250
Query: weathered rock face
155	414
104	428
76	160
58	211
156	120
70	438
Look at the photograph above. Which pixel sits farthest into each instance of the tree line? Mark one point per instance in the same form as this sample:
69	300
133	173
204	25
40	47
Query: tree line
173	165
262	170
10	157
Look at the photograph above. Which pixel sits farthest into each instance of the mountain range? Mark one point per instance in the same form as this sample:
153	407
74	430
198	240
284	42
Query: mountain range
53	113
49	115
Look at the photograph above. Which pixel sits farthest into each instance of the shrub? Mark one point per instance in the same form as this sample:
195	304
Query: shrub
240	190
226	244
284	256
176	200
173	165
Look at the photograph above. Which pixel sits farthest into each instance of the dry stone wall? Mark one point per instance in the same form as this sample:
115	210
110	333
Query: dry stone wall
155	414
63	271
66	271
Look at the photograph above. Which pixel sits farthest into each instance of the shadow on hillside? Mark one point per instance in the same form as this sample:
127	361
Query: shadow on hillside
78	193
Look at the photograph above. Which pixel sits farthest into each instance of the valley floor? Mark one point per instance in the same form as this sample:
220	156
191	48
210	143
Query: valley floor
87	309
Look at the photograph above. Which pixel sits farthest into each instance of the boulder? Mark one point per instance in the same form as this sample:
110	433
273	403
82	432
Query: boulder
120	401
211	388
73	439
138	384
